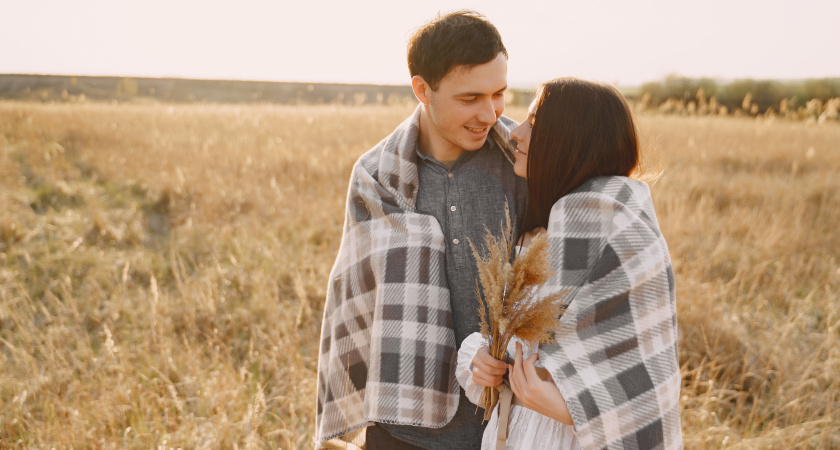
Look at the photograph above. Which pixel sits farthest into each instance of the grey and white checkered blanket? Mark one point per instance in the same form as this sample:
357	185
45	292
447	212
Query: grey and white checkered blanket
387	344
615	356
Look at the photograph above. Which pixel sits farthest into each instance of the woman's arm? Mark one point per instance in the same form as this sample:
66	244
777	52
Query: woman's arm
535	393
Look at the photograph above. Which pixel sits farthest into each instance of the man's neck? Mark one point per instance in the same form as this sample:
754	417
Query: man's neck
435	146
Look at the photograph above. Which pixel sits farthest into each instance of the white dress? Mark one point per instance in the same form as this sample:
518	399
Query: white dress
528	429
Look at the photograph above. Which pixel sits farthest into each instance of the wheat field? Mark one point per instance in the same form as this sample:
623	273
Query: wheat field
163	270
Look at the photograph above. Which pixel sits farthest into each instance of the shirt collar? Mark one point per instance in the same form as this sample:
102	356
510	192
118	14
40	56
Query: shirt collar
465	155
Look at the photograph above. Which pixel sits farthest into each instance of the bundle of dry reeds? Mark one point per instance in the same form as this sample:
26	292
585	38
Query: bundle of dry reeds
509	304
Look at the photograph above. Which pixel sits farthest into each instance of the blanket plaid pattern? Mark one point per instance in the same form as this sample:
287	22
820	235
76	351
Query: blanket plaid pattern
615	355
387	345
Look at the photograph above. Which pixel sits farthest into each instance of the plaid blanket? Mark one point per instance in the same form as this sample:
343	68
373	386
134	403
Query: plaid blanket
615	357
387	344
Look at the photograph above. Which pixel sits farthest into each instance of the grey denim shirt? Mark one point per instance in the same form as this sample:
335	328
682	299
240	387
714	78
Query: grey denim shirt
464	198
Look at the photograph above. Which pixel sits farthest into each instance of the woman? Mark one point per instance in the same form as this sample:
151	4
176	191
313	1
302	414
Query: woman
614	375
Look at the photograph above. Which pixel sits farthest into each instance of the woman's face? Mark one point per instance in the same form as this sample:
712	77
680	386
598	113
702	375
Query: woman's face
522	135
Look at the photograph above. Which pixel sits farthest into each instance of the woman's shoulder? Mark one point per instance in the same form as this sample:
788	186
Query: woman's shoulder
619	189
603	191
601	200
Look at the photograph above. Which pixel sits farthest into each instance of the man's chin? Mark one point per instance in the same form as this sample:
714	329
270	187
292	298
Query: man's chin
473	144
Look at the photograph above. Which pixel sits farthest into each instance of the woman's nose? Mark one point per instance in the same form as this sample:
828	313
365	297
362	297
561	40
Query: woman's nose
515	133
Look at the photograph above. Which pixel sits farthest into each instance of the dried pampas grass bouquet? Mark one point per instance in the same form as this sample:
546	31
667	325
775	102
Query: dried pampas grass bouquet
509	304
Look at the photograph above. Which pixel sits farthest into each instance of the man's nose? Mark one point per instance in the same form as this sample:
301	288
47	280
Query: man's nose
488	112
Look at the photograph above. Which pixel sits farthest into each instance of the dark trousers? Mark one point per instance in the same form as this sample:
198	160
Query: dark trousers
376	438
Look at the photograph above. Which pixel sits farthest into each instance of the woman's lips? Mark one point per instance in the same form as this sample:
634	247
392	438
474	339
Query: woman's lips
515	144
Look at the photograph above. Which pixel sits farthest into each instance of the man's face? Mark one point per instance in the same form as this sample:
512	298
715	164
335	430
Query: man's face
467	103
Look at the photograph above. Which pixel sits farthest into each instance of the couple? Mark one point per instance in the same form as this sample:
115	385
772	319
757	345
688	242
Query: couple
401	296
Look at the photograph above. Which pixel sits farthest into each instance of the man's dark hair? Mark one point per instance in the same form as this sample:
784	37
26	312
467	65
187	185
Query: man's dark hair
460	38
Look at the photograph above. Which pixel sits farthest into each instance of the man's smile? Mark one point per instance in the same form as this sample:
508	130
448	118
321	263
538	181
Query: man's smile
480	130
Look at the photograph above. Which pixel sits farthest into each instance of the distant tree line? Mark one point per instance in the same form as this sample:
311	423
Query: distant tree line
66	88
747	96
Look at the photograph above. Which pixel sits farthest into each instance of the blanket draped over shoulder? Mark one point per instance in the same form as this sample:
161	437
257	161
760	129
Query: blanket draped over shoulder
615	355
387	344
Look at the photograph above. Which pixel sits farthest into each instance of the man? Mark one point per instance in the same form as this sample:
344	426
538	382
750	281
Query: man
402	292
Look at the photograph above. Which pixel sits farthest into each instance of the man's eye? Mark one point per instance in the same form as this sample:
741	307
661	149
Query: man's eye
468	100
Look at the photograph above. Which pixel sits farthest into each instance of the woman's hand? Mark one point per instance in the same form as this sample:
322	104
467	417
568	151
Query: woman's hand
487	370
536	394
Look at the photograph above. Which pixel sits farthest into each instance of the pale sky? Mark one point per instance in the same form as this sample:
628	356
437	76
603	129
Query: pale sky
363	41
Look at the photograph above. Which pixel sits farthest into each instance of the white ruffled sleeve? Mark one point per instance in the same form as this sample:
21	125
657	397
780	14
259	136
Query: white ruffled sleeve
463	371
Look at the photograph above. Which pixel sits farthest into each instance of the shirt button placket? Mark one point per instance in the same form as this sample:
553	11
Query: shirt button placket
456	226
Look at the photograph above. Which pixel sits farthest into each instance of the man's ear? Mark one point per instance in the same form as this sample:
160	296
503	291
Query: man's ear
421	89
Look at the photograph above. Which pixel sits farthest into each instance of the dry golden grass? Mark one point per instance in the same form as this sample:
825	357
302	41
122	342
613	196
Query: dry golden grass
163	269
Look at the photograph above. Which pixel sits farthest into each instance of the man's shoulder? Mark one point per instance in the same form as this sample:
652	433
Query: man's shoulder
507	123
370	160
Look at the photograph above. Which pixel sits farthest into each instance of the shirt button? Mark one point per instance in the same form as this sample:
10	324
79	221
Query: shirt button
449	175
453	208
455	241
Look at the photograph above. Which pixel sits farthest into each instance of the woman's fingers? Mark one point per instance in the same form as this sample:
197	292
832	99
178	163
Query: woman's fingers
487	371
530	370
489	364
484	354
484	379
518	357
519	384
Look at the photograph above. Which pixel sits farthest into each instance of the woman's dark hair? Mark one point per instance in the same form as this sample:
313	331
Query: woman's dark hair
460	38
582	130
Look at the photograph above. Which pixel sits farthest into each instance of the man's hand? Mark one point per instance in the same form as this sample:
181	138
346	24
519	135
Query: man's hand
487	370
536	394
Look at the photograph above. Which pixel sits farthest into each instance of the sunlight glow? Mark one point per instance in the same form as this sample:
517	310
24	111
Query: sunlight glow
364	41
